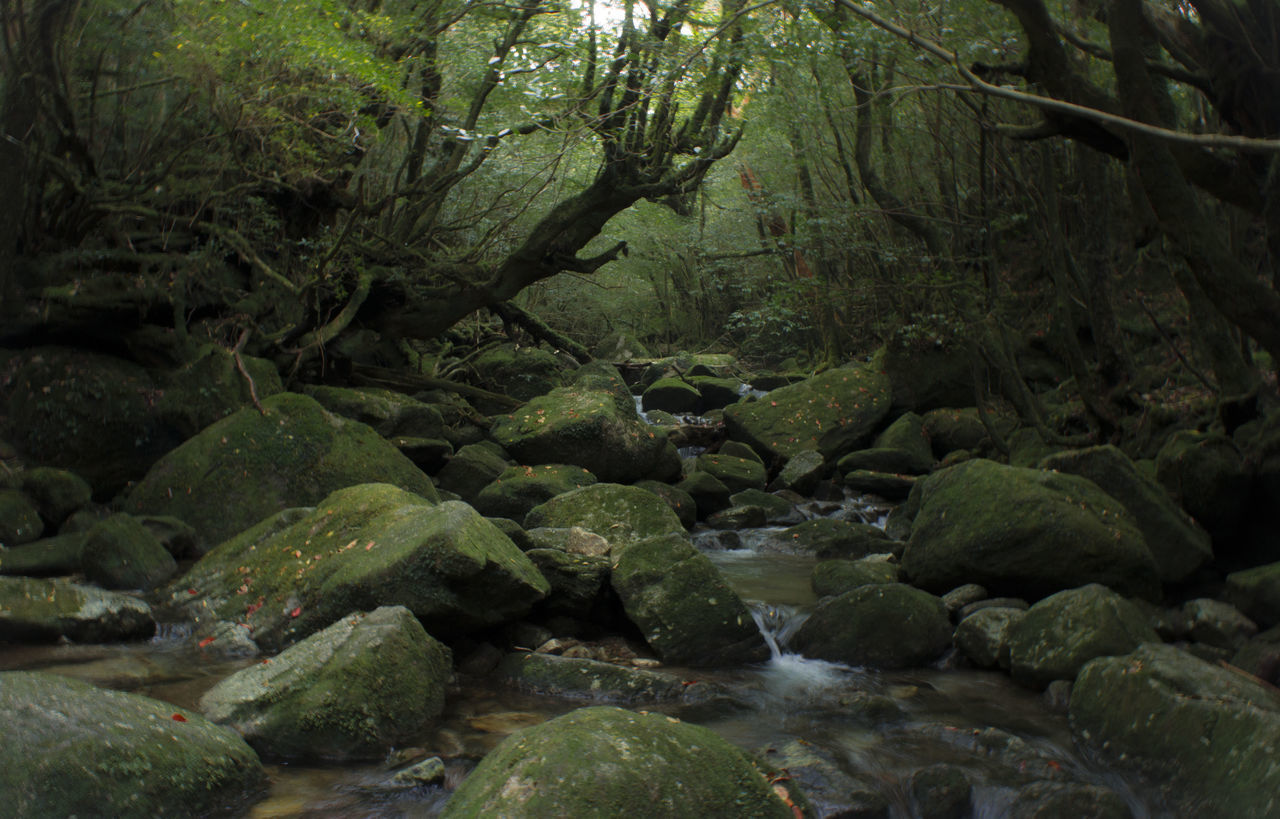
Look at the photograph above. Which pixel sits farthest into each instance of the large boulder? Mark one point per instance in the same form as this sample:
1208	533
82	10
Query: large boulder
352	690
834	413
520	372
251	465
672	395
983	636
47	557
361	548
884	625
520	488
586	428
927	369
55	492
950	429
605	762
122	553
737	474
1024	533
472	468
19	519
1178	545
392	414
684	608
622	515
72	749
1055	638
828	538
1204	734
47	610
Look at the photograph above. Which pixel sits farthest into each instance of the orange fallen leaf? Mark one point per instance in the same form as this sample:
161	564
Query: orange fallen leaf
179	718
206	641
296	612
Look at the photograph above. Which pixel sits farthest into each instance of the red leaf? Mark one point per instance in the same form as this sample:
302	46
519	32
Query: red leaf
296	612
179	718
191	591
206	641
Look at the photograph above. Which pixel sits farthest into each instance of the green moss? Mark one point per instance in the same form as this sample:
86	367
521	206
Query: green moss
621	514
520	488
46	610
887	625
736	474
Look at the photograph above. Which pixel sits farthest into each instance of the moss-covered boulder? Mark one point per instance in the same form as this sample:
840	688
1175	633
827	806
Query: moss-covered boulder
736	474
1256	592
34	610
1178	545
47	557
211	386
950	429
520	372
777	509
680	501
927	370
579	583
361	548
907	435
604	762
604	377
708	492
391	414
888	485
520	488
888	460
1218	624
582	678
622	515
585	428
834	412
251	465
1206	473
672	395
833	577
92	414
684	608
19	519
1204	734
72	749
883	625
1024	533
121	553
717	393
472	468
352	690
983	636
55	492
829	539
1058	635
801	473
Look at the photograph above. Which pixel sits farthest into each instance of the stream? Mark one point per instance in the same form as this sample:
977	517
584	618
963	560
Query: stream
831	720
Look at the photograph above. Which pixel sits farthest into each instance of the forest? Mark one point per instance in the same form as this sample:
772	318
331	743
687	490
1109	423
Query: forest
962	319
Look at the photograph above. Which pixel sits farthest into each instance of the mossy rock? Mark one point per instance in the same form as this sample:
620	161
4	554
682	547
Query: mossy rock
883	625
801	473
717	393
472	468
834	413
358	549
352	690
55	492
950	429
680	501
92	414
907	435
33	610
1179	546
1024	533
888	485
1058	635
250	465
579	583
602	762
1049	800
827	538
776	509
585	428
1205	735
122	553
581	678
47	557
672	395
211	387
520	372
834	577
520	488
1256	592
983	636
883	459
390	413
684	608
1206	473
709	493
927	375
621	514
72	749
19	519
603	377
736	474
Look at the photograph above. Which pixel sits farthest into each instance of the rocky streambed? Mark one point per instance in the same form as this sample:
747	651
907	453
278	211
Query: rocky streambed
353	603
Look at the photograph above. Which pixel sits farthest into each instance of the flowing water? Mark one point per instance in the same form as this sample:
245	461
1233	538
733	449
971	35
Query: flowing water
835	728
